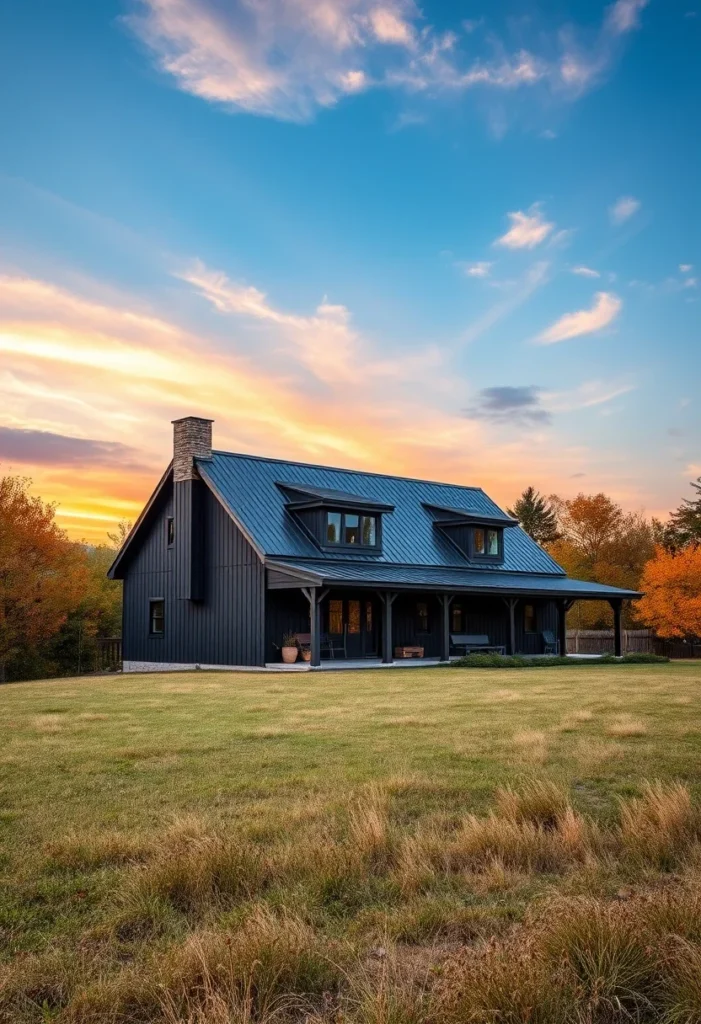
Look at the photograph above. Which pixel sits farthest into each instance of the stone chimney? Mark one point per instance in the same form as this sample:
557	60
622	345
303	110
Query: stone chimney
192	439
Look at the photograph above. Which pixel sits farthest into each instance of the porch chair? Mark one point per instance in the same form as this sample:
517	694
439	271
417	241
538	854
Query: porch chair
333	644
551	645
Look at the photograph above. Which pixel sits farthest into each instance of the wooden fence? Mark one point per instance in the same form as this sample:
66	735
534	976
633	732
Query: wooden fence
108	657
635	641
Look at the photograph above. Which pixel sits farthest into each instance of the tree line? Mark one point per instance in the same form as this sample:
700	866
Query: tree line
56	600
594	539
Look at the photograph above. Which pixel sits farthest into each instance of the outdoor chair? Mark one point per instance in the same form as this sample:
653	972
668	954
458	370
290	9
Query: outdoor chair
551	645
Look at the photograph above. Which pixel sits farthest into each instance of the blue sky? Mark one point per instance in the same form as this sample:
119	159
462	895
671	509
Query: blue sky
459	240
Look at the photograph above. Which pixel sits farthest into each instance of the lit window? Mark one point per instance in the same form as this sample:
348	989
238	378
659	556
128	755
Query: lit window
156	617
354	616
368	530
479	547
336	617
456	618
333	528
421	617
170	530
529	623
492	542
352	530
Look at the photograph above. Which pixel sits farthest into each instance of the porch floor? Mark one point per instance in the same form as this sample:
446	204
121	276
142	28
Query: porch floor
354	664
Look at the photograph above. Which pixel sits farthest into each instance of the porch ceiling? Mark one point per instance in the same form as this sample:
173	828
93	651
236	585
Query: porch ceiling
383	576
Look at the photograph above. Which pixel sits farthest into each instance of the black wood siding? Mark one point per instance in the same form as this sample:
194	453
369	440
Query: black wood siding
227	626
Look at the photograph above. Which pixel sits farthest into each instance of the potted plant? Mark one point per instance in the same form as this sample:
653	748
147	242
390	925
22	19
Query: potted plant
306	652
289	648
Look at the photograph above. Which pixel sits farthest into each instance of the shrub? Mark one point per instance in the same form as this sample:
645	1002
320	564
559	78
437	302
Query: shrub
551	661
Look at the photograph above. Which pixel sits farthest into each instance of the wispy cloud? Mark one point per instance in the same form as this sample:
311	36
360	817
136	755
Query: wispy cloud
527	229
685	268
482	268
19	445
583	271
606	308
623	209
516	293
508	404
289	58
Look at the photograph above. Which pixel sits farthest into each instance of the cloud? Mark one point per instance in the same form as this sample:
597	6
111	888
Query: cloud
516	293
43	448
290	58
606	308
623	209
510	405
480	269
527	229
686	268
582	271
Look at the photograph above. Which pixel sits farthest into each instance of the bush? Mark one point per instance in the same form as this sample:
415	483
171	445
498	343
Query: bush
551	661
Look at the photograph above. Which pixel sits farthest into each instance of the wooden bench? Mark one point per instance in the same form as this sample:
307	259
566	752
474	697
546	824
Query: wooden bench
408	652
468	643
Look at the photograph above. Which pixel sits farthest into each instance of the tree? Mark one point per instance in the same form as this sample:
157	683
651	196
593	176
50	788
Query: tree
672	585
43	575
117	539
601	543
684	526
537	517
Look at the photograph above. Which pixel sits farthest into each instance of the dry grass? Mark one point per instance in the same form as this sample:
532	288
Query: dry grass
625	725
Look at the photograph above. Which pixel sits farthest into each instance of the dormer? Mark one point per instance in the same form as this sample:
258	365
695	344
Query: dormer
337	521
477	535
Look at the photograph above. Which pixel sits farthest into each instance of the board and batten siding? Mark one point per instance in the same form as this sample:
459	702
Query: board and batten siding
227	626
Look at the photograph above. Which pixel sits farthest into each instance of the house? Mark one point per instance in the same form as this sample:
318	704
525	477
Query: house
233	551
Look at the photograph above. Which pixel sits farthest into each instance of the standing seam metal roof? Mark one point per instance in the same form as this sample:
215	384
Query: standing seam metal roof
247	484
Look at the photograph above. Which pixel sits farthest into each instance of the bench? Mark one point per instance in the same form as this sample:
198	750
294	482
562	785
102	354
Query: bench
408	652
468	643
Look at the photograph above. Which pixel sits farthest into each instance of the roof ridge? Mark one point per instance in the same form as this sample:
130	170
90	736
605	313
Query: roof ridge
343	469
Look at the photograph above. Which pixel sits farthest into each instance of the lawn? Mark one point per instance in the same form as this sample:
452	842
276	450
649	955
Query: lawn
424	845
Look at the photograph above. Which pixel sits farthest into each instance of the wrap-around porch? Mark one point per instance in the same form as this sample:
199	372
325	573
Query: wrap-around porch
367	625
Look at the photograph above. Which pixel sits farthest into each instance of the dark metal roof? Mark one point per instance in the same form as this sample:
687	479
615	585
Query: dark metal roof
331	496
446	514
320	572
246	485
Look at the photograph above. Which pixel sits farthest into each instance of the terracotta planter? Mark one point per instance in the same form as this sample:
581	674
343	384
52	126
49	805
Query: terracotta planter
306	654
289	655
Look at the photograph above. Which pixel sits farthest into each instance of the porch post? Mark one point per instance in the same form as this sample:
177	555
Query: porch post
388	598
617	604
511	603
315	596
562	627
446	600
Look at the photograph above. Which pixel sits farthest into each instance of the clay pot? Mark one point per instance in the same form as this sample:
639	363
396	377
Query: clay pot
289	655
306	654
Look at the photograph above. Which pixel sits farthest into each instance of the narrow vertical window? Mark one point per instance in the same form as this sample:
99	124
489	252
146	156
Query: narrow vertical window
456	618
352	529
529	621
492	542
336	617
368	531
422	617
354	616
368	616
170	530
478	541
333	528
157	617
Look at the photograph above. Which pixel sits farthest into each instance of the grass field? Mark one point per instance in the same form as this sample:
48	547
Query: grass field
381	847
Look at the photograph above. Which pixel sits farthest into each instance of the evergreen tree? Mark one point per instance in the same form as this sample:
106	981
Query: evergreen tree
537	517
684	526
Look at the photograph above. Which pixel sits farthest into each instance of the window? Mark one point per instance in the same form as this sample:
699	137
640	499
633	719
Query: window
478	542
351	529
333	528
529	621
354	616
170	530
351	532
486	543
492	542
157	617
421	617
456	618
368	616
336	617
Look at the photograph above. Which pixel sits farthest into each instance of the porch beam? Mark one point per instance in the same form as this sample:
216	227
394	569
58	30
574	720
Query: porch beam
387	598
511	603
617	605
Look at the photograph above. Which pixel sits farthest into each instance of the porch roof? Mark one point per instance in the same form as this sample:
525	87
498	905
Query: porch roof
284	574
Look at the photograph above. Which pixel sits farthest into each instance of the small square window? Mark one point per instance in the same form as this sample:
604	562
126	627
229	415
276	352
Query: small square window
478	542
170	530
333	528
157	617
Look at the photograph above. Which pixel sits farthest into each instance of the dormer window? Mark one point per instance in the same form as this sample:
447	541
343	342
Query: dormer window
337	520
477	534
485	543
351	529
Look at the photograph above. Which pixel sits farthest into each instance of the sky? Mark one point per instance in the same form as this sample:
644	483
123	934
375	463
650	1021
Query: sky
458	240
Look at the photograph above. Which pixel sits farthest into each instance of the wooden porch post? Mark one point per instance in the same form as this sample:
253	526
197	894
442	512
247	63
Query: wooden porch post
511	603
445	600
315	596
562	627
617	605
388	598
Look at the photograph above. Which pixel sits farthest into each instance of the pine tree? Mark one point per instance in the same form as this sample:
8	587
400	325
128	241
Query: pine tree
684	526
537	517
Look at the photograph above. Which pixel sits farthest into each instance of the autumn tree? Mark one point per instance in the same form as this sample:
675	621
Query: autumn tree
121	533
537	517
43	576
684	525
672	585
601	543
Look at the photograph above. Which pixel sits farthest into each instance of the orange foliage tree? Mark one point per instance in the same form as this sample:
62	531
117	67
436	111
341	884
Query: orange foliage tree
43	576
672	585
